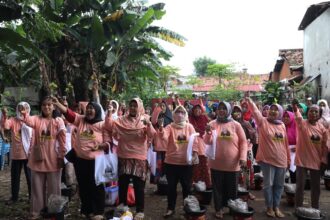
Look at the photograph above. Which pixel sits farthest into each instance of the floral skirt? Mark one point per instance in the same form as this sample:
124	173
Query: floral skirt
201	171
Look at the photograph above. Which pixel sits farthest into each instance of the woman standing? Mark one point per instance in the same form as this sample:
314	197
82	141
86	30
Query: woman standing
133	131
290	125
180	146
46	158
273	155
91	138
229	153
161	112
21	136
201	171
311	153
250	134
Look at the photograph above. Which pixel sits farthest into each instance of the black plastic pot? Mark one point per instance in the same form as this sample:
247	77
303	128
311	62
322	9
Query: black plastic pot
195	215
205	197
52	216
242	215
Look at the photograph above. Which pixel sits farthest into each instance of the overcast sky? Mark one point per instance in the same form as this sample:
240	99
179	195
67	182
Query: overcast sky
248	32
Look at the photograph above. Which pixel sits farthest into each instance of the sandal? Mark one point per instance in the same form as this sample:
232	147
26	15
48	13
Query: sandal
219	215
139	216
279	214
169	213
270	213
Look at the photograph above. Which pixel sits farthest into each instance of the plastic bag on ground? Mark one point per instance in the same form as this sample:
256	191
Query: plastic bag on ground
258	176
162	180
56	203
238	205
200	186
290	188
241	189
191	204
308	212
327	173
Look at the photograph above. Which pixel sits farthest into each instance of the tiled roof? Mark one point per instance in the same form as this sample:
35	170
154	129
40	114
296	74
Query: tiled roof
250	88
293	56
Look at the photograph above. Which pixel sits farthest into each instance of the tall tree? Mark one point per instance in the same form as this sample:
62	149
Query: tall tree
165	74
201	64
219	70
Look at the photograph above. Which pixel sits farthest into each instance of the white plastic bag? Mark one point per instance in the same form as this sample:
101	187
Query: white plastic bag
106	168
152	160
308	212
191	204
210	150
238	205
200	186
190	147
290	188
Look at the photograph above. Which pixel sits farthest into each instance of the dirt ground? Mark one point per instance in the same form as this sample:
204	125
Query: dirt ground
155	205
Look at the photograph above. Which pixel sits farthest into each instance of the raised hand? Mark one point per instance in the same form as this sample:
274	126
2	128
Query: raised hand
161	122
208	128
294	104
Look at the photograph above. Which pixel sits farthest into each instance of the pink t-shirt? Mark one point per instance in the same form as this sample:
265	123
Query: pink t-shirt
231	146
50	135
86	136
311	148
132	143
273	141
17	150
176	141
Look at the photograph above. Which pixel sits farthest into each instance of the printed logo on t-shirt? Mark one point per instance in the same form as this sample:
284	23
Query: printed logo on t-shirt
315	139
225	134
181	139
87	134
45	134
278	137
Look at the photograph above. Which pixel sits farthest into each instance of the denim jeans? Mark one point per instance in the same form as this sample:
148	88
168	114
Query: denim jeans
274	178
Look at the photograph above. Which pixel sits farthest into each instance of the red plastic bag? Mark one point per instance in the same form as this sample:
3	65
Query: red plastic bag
130	195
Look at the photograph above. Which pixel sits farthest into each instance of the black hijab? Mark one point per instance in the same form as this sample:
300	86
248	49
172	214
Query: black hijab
98	113
167	115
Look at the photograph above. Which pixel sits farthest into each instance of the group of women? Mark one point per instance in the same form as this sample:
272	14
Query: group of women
190	146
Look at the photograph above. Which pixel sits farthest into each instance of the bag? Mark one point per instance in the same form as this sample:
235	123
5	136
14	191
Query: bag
37	153
111	195
130	195
152	160
106	168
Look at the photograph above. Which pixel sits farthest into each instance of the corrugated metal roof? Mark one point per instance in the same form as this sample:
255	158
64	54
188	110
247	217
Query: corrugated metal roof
312	13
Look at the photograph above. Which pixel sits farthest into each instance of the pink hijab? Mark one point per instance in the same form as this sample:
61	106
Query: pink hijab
291	129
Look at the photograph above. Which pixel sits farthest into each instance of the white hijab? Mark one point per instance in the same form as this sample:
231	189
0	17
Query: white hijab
26	131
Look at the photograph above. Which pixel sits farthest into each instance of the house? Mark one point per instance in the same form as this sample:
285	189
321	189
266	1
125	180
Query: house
289	66
315	25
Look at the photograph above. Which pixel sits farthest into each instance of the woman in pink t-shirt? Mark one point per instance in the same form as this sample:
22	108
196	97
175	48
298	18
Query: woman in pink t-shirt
92	137
180	146
311	153
273	155
21	137
133	131
229	154
46	158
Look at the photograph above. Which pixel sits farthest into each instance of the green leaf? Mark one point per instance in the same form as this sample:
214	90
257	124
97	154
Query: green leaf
97	33
138	26
14	39
111	59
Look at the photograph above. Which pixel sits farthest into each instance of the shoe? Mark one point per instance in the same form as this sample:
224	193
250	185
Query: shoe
139	216
270	213
279	214
169	213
